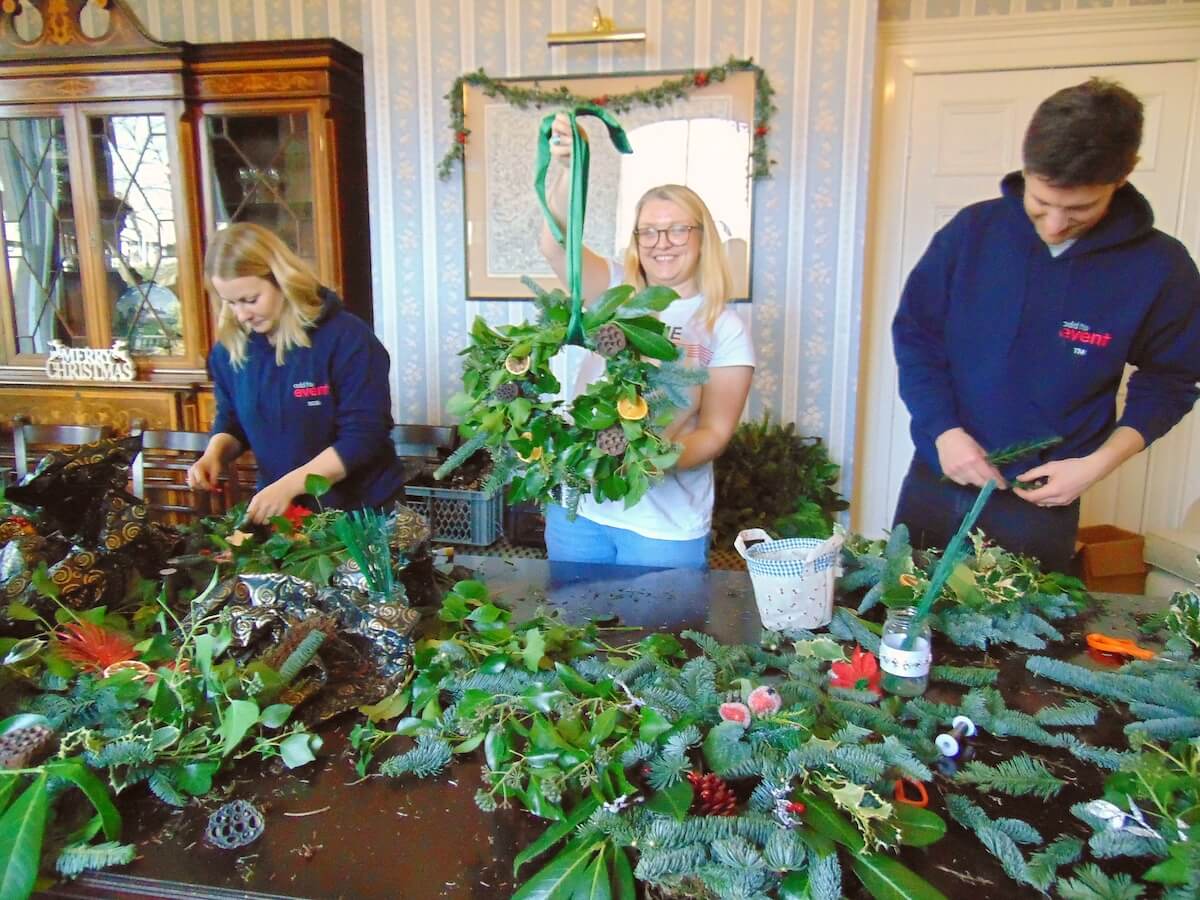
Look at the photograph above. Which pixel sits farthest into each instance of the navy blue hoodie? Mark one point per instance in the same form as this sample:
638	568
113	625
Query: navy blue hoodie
998	337
332	394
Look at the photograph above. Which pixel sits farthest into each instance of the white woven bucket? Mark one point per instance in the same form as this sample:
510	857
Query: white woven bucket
793	579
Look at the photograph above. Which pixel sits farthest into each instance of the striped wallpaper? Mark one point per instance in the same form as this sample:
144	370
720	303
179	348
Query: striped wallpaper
809	217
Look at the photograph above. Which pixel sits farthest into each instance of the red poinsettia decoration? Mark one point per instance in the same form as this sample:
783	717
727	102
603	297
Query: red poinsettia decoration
861	673
296	514
701	79
93	647
602	100
461	136
761	131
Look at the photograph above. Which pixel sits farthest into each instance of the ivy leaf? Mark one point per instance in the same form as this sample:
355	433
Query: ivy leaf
276	715
21	831
19	612
535	649
538	698
298	749
496	749
317	485
238	718
195	778
674	801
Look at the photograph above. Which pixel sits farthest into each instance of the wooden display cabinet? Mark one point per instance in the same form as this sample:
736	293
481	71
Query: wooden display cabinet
119	155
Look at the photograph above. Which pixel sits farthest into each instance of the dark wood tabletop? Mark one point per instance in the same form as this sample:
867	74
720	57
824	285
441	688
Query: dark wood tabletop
330	834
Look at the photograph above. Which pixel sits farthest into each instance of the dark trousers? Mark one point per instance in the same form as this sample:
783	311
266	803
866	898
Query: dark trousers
933	508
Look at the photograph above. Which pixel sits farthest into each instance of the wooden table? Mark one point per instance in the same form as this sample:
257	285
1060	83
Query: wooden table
330	835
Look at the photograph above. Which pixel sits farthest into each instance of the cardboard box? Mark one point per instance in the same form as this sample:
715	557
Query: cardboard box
1111	559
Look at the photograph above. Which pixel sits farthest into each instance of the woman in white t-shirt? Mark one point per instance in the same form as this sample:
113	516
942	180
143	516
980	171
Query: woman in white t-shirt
674	244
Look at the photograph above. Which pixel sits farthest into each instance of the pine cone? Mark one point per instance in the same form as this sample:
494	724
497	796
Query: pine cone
506	392
612	440
23	747
610	340
714	797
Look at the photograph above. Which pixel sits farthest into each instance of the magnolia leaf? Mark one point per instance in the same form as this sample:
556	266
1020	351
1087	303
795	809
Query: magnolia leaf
918	827
556	833
558	878
886	878
824	818
21	830
94	789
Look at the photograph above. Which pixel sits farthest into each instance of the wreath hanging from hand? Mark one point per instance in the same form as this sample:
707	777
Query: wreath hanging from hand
611	444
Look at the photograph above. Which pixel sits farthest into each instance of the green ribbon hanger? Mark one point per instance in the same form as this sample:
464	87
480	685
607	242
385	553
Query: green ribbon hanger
572	241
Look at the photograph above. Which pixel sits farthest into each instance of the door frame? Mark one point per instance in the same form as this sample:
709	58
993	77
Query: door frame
1050	40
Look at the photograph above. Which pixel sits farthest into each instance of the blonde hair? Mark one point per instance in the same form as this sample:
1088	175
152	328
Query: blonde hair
243	250
716	284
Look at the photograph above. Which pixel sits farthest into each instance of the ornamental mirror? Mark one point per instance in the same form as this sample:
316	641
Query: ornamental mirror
702	137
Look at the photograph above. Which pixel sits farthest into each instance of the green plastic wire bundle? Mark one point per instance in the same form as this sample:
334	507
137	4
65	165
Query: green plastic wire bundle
365	534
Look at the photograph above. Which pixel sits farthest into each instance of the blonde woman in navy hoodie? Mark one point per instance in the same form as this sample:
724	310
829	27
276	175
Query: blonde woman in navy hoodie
298	380
1017	323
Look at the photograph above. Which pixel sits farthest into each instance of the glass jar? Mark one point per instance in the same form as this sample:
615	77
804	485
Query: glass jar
905	671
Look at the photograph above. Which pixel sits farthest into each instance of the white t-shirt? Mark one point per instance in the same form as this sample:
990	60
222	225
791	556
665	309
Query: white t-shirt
679	507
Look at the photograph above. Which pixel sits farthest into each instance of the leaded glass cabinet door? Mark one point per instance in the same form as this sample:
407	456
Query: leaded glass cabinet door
140	234
259	166
44	283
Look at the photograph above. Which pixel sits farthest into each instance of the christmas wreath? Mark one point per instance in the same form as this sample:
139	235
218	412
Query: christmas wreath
610	445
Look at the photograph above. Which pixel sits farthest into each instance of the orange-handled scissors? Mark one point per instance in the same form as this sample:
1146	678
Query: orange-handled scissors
1103	643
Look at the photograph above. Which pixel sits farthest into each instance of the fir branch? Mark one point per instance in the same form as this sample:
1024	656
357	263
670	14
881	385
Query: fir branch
1104	757
428	757
76	859
162	785
301	656
737	853
667	771
1044	865
1013	452
1090	883
464	452
1076	713
1174	728
1110	843
504	465
825	878
990	834
846	626
1020	776
968	676
784	851
902	757
1020	831
124	751
655	865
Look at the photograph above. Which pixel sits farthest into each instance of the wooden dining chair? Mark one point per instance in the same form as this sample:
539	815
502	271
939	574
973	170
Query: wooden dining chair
31	442
160	477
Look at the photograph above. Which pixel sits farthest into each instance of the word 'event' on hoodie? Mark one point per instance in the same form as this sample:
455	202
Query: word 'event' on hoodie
334	393
997	336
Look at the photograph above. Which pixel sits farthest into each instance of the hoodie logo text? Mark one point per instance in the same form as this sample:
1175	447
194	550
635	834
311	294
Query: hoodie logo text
1081	336
306	390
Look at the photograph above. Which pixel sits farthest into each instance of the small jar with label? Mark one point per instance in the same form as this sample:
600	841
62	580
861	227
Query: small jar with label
905	668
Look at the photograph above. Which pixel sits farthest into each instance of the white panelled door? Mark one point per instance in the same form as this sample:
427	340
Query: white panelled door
964	136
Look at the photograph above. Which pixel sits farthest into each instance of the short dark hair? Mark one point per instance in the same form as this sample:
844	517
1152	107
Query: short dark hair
1083	135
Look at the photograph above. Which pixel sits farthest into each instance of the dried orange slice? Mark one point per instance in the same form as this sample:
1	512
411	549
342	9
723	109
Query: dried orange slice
517	365
535	454
633	410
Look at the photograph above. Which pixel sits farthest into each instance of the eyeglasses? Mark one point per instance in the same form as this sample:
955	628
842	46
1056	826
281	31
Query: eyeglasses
677	235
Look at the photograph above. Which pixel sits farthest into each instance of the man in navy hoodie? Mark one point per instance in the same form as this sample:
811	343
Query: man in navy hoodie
1018	321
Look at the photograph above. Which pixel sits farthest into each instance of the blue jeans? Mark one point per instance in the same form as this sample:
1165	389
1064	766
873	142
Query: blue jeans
933	508
590	542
